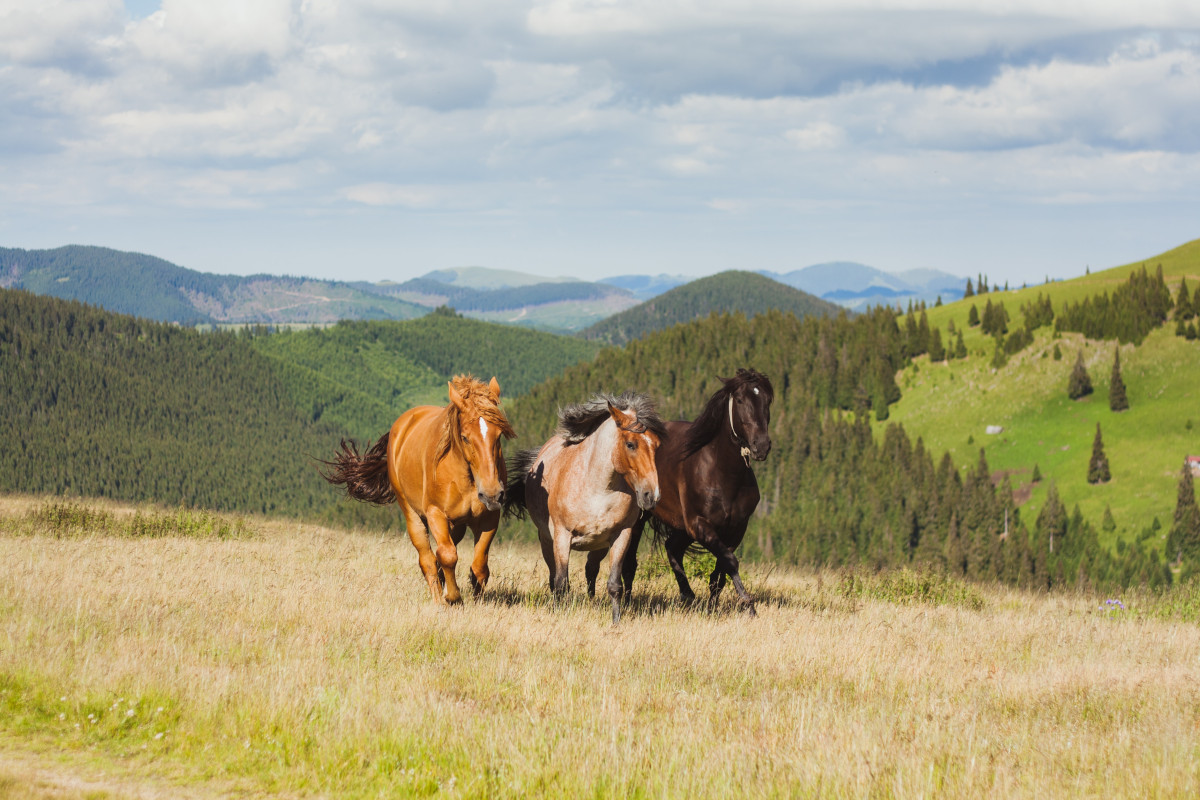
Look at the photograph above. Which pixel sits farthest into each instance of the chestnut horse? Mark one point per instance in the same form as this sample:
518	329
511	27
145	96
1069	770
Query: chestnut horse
586	487
708	488
446	469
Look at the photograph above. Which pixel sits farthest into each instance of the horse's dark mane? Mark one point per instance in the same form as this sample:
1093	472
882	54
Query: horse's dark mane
708	423
579	421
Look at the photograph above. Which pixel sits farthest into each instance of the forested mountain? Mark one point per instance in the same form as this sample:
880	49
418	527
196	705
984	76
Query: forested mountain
745	292
560	305
145	286
103	404
107	405
361	375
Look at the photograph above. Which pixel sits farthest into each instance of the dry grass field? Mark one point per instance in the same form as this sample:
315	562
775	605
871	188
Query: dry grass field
161	654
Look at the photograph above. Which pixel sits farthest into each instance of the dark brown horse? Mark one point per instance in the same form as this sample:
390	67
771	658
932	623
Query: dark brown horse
708	488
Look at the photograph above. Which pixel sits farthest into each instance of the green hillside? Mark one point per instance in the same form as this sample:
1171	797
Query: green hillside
950	404
726	292
145	286
361	375
107	405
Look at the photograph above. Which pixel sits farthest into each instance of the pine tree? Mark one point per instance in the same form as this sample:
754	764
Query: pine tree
973	316
1183	542
1080	383
970	292
1117	401
1057	352
960	347
937	351
1037	474
1184	303
1098	465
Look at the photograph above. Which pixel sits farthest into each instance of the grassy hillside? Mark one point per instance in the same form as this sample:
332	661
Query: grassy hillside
727	292
361	375
145	286
950	405
296	661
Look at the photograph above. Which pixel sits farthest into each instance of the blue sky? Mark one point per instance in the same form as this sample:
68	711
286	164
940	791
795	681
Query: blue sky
380	140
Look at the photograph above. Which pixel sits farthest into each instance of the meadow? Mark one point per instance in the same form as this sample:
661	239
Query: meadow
951	404
157	653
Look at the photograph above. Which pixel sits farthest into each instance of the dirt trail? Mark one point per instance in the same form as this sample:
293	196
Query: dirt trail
34	776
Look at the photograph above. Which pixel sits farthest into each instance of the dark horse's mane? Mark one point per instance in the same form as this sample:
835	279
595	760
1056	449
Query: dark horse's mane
578	421
708	423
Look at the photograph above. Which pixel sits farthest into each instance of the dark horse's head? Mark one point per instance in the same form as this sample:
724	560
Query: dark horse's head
741	410
748	406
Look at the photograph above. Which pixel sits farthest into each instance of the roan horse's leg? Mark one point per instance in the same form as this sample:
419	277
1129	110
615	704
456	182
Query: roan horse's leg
620	547
447	552
561	537
420	539
484	529
630	562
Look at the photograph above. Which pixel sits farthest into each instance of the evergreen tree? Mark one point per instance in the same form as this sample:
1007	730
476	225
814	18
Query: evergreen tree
973	316
1037	474
1183	542
970	292
1108	524
1098	465
960	347
1184	303
1117	401
1080	383
1057	352
937	351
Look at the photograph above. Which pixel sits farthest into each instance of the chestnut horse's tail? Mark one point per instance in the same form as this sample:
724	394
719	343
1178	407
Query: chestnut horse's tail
514	492
365	476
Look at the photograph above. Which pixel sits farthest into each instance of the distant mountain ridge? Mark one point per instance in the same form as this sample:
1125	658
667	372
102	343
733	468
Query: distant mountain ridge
857	286
747	292
150	287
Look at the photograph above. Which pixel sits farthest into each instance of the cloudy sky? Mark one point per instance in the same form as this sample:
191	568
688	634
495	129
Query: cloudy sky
381	139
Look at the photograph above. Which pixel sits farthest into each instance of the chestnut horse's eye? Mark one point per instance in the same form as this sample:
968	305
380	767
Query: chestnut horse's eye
631	445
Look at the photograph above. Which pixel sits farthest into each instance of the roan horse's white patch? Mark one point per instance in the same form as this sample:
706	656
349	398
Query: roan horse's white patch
483	427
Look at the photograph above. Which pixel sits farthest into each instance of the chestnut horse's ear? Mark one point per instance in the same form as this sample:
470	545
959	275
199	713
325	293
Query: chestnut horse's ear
624	419
455	397
494	386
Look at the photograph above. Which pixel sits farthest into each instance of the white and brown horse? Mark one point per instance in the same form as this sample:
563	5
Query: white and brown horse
586	487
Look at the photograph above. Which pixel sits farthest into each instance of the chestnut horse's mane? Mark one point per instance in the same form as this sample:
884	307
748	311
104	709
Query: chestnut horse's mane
708	423
477	396
578	421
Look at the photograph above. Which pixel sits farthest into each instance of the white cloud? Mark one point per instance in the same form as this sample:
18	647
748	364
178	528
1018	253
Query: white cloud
600	108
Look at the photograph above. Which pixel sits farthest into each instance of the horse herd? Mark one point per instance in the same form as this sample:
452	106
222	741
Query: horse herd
612	465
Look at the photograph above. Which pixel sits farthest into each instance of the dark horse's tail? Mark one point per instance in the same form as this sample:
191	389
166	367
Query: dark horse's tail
365	477
514	492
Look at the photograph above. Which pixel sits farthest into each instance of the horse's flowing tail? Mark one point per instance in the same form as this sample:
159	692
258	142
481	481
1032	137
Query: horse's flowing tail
514	492
365	477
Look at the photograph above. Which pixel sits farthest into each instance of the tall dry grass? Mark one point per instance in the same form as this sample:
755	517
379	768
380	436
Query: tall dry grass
304	661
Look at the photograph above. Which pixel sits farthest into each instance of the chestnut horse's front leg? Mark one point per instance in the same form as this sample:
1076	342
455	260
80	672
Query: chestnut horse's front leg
484	528
420	539
447	551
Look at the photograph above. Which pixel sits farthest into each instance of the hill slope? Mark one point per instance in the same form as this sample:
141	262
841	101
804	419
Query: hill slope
733	291
949	405
361	375
145	286
562	305
858	286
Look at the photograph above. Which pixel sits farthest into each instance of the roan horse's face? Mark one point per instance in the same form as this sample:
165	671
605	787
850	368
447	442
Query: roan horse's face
480	442
751	418
633	457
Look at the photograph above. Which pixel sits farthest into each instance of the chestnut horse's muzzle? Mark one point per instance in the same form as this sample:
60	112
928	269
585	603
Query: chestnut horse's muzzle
646	500
492	502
